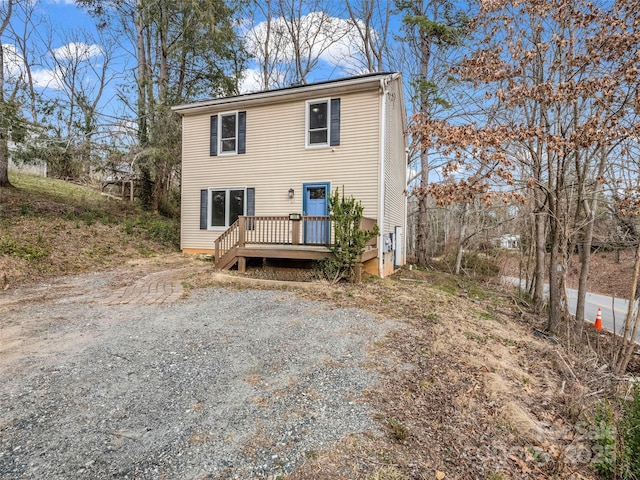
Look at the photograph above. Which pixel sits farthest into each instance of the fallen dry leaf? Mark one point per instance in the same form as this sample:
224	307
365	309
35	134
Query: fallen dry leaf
521	464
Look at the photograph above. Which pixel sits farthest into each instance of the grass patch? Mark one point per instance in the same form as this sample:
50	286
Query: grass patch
398	430
487	316
163	230
24	251
51	227
475	337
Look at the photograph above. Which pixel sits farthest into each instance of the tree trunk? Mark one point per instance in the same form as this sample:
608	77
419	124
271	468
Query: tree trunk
630	329
266	70
540	255
585	253
422	230
4	127
142	75
461	240
422	240
4	159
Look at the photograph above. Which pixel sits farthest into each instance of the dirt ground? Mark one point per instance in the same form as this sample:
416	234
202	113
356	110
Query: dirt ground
468	390
128	373
464	388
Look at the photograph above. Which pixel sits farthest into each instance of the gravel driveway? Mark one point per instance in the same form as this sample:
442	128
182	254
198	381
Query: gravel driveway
226	383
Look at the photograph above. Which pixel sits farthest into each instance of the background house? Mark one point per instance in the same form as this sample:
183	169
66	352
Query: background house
281	152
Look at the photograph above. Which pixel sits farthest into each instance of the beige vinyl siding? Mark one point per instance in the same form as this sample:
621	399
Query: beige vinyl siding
276	160
395	161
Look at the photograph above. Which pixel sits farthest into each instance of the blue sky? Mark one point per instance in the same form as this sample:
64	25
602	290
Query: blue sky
62	18
65	12
335	62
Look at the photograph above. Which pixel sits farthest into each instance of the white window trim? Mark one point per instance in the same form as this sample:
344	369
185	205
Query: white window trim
307	134
227	114
227	205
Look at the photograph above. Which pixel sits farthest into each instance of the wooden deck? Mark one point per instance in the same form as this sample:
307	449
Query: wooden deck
306	238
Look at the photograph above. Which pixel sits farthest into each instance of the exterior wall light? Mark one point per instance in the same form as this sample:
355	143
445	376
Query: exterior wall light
291	193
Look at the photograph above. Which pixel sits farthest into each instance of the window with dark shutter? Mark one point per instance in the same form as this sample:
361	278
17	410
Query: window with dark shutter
323	122
228	133
221	207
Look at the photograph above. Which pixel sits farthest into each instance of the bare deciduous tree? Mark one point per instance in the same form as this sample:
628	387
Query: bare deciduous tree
370	20
558	83
5	16
431	28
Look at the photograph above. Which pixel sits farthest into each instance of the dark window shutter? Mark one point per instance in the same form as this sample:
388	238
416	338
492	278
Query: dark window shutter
204	201
335	122
251	206
213	142
251	202
242	131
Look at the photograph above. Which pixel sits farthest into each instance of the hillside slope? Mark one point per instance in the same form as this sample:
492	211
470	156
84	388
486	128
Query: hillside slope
467	390
50	227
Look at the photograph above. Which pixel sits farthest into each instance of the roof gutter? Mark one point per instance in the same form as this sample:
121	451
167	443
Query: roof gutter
274	96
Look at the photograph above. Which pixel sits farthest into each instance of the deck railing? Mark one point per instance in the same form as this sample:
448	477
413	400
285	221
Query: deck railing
228	240
281	230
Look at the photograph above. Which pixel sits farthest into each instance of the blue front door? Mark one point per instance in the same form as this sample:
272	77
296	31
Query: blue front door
316	204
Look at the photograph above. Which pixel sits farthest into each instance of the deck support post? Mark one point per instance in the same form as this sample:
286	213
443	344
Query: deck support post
357	272
241	231
242	264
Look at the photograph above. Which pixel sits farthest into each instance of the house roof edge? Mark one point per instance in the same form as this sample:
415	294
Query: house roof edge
268	95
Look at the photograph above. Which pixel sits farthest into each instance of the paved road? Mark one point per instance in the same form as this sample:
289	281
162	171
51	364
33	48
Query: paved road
614	310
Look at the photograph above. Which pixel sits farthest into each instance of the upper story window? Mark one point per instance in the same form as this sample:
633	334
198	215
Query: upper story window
323	122
228	133
319	123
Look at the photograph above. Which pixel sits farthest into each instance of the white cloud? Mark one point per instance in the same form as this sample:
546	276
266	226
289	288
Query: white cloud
63	2
251	81
77	51
44	78
14	68
13	63
333	40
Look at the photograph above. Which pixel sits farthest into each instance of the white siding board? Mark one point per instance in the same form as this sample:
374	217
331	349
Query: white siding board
276	160
395	161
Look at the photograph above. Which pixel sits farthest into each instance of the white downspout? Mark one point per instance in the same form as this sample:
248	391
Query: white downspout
405	228
383	123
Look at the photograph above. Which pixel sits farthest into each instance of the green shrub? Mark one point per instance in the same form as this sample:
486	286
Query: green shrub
165	231
27	252
474	264
604	439
159	229
618	449
630	434
350	239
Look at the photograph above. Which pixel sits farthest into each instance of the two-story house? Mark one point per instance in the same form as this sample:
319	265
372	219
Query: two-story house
257	170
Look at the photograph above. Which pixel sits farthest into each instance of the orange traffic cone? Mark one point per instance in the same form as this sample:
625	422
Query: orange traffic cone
598	324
